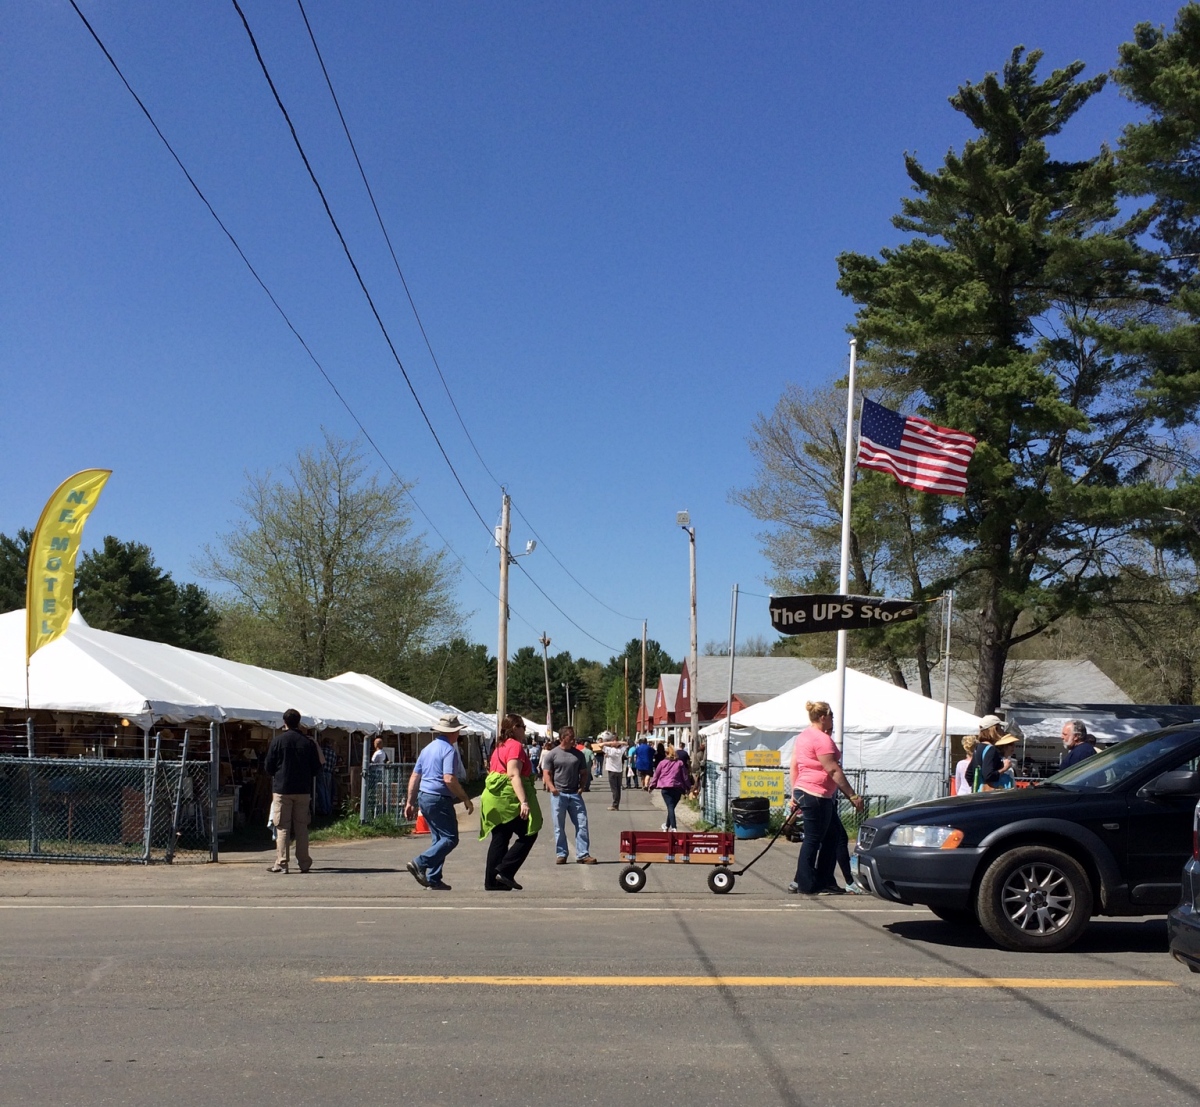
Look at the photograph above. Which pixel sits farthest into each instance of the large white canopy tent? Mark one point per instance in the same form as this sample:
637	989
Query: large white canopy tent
886	729
94	671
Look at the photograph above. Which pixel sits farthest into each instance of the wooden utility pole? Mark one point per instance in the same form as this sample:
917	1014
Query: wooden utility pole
627	697
642	701
502	532
545	641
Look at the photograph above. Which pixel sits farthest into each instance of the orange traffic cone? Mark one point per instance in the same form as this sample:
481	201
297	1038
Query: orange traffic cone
422	826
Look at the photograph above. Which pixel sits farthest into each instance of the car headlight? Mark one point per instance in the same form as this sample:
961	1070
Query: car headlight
927	837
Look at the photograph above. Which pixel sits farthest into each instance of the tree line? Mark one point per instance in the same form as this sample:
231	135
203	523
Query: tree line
324	573
1051	308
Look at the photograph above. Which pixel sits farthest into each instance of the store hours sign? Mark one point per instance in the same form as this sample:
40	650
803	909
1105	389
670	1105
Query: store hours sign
813	614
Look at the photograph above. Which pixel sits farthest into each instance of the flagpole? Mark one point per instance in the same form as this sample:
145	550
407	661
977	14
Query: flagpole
839	708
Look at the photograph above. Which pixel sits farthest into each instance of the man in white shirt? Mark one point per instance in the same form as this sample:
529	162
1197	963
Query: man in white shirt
614	765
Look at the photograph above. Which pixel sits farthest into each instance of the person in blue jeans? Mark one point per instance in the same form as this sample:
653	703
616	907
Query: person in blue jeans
564	771
433	789
643	761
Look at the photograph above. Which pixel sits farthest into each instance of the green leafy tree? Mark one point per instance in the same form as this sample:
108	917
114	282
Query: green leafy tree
1007	314
326	574
120	588
459	672
14	569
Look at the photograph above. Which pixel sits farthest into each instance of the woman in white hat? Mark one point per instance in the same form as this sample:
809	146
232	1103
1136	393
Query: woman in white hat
986	762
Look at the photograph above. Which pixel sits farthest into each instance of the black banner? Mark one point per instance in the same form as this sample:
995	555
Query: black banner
813	614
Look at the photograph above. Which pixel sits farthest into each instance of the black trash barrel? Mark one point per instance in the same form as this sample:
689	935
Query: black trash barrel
751	816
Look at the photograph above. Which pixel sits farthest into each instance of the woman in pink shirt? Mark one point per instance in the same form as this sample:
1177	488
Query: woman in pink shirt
817	778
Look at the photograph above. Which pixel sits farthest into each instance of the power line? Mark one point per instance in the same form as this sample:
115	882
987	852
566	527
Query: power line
563	613
283	314
417	316
387	238
350	258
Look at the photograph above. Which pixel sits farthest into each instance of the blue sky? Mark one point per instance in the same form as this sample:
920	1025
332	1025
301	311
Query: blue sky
619	222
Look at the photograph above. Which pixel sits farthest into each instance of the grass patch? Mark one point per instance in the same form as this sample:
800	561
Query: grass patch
348	828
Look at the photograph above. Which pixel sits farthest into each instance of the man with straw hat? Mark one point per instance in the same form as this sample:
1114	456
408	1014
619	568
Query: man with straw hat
433	789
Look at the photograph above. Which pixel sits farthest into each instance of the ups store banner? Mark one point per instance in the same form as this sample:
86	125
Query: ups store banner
811	614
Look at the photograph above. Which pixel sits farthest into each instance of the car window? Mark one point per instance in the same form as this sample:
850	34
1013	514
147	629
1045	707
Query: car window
1118	763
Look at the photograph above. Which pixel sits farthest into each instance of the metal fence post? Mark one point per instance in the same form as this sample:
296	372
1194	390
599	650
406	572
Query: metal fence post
170	854
362	783
214	782
149	824
34	834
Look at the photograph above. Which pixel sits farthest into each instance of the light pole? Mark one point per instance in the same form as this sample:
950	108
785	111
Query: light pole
684	519
570	720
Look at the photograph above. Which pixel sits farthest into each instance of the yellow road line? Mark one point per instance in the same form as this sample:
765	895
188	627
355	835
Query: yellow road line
754	981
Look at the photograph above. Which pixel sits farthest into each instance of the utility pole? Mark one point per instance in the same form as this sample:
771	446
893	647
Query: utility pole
627	697
642	701
545	641
502	636
694	663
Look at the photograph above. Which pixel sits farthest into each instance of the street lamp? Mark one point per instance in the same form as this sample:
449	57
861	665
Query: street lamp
684	520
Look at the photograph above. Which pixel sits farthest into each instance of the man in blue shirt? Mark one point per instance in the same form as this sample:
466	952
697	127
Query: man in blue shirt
433	788
643	760
1080	744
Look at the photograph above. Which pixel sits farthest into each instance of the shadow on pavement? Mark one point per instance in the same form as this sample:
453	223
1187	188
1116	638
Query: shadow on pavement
1108	936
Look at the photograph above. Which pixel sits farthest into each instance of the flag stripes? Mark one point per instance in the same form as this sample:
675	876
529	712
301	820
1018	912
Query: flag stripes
917	453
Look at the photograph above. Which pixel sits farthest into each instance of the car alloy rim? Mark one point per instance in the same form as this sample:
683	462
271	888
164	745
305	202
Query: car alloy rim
1038	898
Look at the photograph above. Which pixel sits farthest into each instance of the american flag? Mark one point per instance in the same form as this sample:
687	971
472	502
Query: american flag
916	452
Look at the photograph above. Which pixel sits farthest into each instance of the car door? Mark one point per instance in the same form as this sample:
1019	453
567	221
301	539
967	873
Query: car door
1159	841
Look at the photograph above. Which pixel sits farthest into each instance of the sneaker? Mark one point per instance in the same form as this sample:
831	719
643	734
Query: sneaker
277	868
508	882
613	807
437	886
496	887
664	827
586	859
793	889
418	873
855	890
560	860
831	890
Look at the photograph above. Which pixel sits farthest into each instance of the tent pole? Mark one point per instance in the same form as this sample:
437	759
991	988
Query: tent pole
947	613
839	709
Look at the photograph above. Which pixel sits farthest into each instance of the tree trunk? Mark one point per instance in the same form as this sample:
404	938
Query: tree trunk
994	631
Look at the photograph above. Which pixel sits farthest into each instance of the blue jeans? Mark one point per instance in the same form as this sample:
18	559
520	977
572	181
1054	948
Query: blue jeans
561	806
671	798
443	826
822	831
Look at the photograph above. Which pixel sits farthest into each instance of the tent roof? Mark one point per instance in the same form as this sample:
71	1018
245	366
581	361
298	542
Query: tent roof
90	670
872	705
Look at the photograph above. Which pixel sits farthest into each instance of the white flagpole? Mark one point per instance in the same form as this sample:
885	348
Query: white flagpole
839	708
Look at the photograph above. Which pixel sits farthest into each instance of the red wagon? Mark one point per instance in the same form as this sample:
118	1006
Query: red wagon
674	847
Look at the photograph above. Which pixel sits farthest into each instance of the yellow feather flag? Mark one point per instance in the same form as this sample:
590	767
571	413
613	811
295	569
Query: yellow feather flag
49	591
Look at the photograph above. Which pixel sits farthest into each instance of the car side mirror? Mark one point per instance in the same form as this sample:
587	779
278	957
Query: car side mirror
1178	782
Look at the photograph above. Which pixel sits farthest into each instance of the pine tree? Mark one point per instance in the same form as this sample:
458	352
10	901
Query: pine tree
1007	313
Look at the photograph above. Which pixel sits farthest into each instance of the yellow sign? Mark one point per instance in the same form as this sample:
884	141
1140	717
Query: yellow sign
762	759
763	782
49	591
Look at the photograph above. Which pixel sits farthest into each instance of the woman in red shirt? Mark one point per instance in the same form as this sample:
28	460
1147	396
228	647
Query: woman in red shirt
817	778
508	807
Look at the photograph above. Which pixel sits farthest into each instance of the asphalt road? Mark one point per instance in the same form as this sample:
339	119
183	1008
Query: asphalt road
210	984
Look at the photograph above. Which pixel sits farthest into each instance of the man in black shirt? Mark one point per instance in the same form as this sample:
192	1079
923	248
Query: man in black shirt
293	760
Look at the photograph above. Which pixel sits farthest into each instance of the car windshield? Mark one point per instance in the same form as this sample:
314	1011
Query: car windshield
1118	763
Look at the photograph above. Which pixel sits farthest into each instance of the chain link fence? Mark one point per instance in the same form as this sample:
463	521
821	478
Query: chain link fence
98	792
883	790
385	790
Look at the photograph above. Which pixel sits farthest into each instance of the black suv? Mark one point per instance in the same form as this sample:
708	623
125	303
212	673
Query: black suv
1107	836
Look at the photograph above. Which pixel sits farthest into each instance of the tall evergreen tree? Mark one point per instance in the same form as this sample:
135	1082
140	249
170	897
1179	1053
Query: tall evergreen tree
1002	315
14	569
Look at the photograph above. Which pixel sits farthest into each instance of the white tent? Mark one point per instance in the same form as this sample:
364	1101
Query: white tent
887	729
95	671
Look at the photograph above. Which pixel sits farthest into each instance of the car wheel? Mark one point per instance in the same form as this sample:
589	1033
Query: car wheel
958	916
1034	899
632	879
720	880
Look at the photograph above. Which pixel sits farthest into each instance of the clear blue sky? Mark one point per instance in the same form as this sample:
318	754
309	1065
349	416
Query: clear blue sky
619	222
